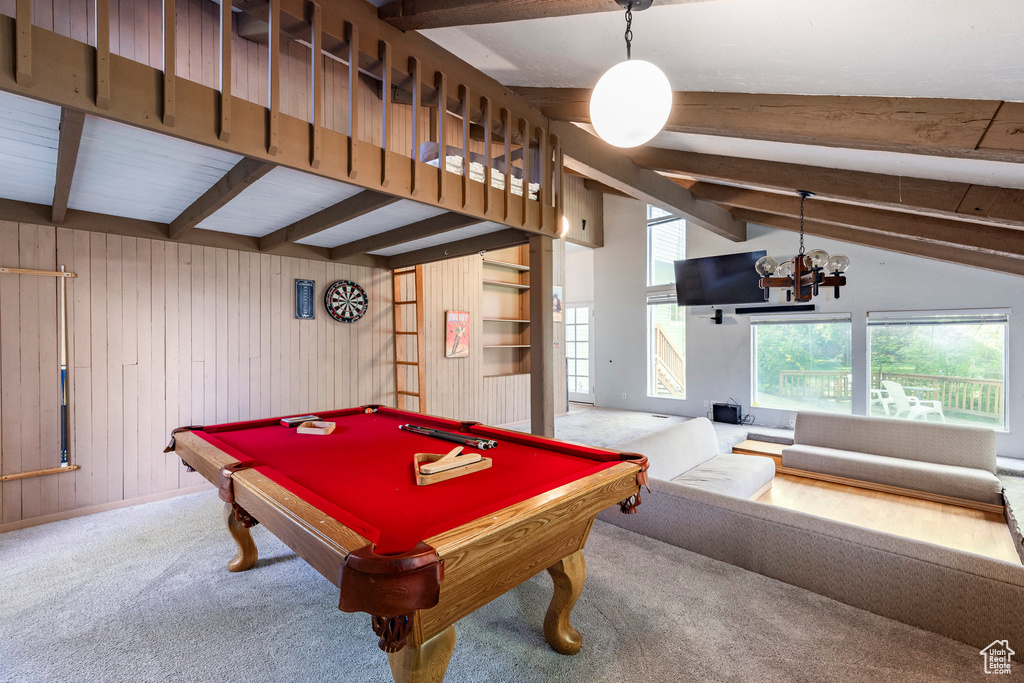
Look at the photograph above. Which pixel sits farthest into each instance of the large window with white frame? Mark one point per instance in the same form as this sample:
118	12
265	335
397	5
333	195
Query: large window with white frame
802	362
941	366
666	321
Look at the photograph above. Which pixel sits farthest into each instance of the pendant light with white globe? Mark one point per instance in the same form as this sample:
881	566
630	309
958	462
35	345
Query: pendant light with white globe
632	101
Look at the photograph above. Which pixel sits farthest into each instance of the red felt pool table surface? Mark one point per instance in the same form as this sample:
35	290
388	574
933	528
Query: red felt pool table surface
362	474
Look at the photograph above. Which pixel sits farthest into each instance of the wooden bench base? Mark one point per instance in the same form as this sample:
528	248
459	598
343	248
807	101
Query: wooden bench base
897	490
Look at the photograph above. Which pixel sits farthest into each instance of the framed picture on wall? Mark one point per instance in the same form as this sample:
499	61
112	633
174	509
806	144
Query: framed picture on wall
456	334
558	303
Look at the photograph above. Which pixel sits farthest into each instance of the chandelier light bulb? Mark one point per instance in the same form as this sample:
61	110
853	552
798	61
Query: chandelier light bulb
838	263
765	266
630	103
785	269
817	257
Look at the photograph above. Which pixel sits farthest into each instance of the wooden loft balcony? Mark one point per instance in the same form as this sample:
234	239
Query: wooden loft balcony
370	141
187	72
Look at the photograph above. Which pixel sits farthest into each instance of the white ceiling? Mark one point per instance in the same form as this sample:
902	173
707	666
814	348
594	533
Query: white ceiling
898	48
279	198
443	238
131	172
136	173
381	220
29	134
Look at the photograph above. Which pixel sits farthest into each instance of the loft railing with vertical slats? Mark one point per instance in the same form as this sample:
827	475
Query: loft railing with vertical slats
435	84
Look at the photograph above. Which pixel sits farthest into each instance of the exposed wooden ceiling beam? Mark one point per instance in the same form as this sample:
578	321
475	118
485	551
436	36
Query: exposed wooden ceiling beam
40	214
416	15
980	129
72	122
595	186
406	233
347	209
599	160
245	173
501	239
1000	205
901	245
960	234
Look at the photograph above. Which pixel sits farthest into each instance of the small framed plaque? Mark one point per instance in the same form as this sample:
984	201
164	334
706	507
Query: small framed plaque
305	309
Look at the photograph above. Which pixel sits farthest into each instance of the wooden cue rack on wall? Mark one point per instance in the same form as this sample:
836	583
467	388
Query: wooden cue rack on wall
62	314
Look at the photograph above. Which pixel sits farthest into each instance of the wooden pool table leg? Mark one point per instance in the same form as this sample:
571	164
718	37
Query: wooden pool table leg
427	663
568	575
246	556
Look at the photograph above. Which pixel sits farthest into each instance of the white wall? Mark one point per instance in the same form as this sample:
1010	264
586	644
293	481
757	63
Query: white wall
718	357
579	274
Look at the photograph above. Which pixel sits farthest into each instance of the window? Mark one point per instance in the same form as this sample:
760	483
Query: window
667	326
577	353
802	363
666	243
666	321
942	367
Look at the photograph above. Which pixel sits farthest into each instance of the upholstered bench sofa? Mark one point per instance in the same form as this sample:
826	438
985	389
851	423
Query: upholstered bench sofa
949	463
970	598
687	454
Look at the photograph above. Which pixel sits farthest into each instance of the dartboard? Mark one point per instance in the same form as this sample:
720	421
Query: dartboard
346	301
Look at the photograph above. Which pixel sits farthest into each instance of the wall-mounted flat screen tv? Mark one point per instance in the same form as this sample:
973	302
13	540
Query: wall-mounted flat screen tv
718	280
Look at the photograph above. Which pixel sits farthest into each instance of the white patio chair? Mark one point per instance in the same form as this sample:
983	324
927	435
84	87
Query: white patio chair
882	398
911	407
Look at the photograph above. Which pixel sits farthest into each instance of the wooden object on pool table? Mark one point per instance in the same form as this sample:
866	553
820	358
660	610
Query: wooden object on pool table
450	461
456	470
316	427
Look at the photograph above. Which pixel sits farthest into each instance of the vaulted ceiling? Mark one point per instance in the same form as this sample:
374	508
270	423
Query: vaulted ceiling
905	119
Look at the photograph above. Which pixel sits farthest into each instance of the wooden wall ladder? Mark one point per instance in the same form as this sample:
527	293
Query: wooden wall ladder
408	290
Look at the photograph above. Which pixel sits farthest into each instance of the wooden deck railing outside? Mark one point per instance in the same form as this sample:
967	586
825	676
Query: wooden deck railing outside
961	394
828	384
669	363
983	397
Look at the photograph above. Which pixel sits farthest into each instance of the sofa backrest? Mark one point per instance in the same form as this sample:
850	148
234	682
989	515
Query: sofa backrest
676	450
908	439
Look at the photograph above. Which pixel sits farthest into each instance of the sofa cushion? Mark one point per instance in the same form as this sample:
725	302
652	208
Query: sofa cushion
733	474
676	449
946	480
955	445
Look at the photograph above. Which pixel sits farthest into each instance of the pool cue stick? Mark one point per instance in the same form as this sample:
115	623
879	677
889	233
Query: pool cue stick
63	371
464	439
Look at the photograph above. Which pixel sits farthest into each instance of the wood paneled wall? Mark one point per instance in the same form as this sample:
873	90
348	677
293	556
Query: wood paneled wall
163	335
456	387
583	204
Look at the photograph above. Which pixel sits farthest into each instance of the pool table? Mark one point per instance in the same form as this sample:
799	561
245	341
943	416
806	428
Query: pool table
416	558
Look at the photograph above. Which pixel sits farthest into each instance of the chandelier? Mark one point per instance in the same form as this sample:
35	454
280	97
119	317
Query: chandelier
803	274
632	101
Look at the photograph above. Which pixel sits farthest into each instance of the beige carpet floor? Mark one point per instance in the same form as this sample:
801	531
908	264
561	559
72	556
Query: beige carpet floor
142	594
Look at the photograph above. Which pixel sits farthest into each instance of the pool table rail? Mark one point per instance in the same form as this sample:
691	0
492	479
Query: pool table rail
315	536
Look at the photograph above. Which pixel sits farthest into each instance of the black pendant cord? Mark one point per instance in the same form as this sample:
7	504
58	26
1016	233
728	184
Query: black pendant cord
629	30
804	194
801	225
